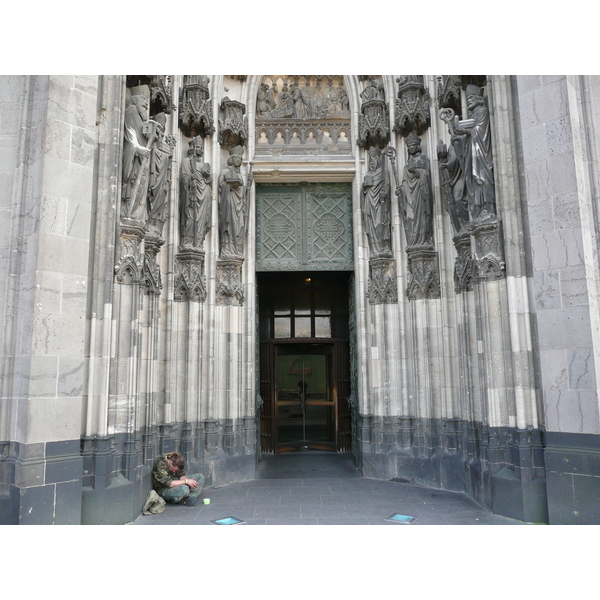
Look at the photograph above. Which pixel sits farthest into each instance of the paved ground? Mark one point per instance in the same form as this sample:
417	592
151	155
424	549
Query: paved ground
320	488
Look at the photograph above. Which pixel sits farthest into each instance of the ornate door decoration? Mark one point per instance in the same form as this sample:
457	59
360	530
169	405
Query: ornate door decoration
302	227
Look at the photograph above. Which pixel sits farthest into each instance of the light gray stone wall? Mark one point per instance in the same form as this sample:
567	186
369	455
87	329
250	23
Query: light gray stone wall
46	208
559	135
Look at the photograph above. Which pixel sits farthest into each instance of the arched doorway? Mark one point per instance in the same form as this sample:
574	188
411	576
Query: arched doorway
304	361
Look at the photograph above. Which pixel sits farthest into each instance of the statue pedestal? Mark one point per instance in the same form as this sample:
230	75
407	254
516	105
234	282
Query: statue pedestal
382	281
230	290
488	258
463	264
190	280
424	276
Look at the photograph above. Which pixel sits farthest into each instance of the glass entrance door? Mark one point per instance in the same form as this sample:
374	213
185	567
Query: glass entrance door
305	406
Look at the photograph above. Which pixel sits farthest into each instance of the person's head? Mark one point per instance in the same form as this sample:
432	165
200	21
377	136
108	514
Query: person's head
474	96
374	158
413	144
175	461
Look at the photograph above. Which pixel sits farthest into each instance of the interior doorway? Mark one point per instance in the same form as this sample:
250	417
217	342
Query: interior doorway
304	361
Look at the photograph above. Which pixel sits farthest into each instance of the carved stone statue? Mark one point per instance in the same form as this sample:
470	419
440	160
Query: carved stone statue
453	187
375	202
474	149
374	91
301	100
195	196
264	101
136	153
160	178
415	195
233	206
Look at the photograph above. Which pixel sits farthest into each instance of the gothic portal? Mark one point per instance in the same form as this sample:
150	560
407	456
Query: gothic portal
404	268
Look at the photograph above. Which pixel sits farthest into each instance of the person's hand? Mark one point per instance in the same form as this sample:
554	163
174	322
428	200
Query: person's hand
192	483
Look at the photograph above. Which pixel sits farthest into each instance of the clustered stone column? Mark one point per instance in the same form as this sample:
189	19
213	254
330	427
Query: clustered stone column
374	134
234	196
145	189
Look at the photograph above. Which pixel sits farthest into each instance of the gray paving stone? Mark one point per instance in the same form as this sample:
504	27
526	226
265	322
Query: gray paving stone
272	512
290	492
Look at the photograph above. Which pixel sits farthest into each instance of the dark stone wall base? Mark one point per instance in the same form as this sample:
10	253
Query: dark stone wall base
118	503
41	483
500	468
573	478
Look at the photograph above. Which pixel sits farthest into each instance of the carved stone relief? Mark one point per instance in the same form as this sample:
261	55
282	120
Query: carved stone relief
195	115
412	106
302	114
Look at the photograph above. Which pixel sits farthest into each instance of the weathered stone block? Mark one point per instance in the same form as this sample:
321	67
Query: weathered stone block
535	143
559	136
564	328
573	286
581	369
547	289
571	411
83	147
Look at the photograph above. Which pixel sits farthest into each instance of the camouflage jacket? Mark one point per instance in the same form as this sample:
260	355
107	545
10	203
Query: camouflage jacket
161	476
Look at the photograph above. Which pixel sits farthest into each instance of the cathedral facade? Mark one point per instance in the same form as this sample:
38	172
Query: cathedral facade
404	268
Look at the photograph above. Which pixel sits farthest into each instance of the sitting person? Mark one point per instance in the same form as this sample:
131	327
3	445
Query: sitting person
170	482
